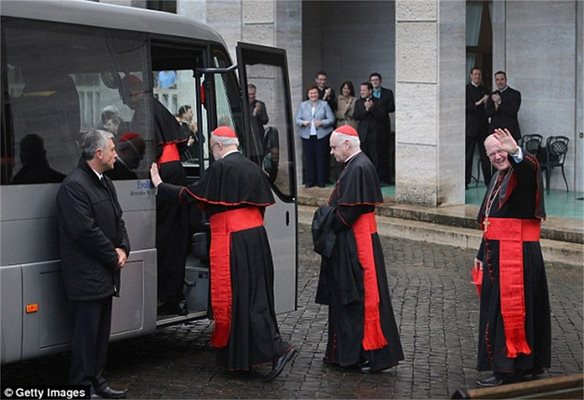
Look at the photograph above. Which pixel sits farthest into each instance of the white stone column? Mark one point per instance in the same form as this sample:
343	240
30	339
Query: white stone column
430	80
194	9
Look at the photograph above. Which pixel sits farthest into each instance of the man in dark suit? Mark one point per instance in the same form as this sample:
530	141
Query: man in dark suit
476	125
94	248
259	117
324	92
372	118
386	140
503	106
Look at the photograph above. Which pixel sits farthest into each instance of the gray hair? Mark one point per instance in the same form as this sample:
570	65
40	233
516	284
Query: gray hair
226	141
92	141
353	140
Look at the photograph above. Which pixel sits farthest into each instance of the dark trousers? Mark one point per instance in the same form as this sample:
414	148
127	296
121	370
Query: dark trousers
172	237
470	144
485	163
91	331
385	158
371	149
316	160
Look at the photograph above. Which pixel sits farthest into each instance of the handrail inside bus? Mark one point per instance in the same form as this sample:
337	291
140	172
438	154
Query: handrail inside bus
200	71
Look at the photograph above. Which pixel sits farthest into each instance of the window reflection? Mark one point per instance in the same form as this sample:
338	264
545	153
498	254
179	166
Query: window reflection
62	81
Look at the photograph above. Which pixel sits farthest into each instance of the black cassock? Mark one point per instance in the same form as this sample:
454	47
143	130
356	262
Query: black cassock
236	183
519	195
341	283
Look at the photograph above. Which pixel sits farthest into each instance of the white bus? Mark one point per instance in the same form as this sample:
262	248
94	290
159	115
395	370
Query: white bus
62	66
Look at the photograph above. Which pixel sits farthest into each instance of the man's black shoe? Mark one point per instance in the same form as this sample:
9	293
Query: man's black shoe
169	308
497	380
365	368
279	364
109	393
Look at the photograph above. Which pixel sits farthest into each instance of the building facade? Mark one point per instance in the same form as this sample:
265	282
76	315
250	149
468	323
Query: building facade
421	48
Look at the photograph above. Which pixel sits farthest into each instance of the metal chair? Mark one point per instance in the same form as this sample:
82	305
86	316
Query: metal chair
556	148
532	144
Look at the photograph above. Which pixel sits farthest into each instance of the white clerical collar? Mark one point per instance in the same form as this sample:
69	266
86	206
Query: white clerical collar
229	152
352	156
505	88
99	176
475	84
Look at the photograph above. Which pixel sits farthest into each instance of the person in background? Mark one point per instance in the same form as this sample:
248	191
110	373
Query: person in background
131	148
236	192
476	127
385	163
324	92
514	325
35	167
94	248
172	220
315	120
503	106
346	105
190	131
370	112
353	282
259	117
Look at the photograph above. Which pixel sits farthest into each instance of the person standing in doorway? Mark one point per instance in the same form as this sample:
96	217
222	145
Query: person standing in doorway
386	139
503	106
476	125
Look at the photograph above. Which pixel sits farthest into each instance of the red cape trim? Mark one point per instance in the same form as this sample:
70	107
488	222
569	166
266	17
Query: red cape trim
221	203
511	233
363	228
169	153
223	224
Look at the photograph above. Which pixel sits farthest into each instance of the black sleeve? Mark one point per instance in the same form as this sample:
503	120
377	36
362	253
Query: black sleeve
345	216
510	104
360	112
77	219
390	101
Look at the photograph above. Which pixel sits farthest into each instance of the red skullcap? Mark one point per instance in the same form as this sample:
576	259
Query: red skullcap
347	130
224	131
132	83
128	136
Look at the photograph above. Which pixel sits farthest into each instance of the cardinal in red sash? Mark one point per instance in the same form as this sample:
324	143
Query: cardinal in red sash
353	282
514	330
235	191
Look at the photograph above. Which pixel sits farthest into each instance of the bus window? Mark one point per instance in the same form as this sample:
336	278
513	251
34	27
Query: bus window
228	102
62	81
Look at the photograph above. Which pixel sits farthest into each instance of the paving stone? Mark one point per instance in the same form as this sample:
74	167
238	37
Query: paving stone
436	309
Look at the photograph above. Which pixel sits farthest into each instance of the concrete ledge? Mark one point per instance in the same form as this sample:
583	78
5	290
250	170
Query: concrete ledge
553	228
553	251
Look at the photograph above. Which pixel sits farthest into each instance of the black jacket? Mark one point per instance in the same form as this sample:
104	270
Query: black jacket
90	228
506	115
476	119
373	123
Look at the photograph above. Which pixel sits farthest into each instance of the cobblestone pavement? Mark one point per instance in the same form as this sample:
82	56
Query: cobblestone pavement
436	310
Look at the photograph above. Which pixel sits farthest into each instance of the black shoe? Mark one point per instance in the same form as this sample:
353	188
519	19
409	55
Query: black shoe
308	185
365	368
109	393
170	308
321	186
533	373
279	364
497	379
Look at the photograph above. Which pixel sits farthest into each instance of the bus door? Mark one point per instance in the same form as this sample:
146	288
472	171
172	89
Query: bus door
268	138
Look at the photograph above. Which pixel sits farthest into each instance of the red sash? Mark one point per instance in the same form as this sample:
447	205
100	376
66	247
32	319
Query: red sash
169	153
222	225
511	233
363	228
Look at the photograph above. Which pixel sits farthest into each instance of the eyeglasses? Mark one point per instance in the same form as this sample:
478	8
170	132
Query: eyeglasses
213	145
